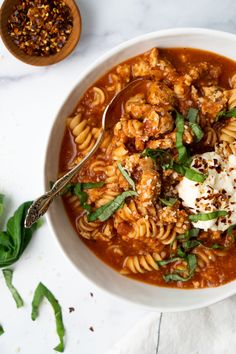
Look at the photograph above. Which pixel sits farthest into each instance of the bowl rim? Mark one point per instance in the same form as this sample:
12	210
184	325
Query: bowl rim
180	31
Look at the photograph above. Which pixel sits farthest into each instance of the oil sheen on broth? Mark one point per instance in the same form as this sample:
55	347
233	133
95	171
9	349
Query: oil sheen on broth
177	132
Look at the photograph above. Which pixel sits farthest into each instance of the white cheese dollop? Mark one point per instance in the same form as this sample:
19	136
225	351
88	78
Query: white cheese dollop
217	192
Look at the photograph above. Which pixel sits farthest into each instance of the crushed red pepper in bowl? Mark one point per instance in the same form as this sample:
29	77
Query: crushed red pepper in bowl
40	27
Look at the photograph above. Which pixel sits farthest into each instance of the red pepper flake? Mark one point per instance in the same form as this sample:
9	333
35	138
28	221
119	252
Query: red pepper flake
91	294
40	27
71	309
91	329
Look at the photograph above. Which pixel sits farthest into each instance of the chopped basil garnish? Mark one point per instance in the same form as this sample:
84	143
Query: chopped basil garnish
189	173
169	201
182	151
193	118
226	114
167	261
126	175
2	197
207	216
105	212
180	252
160	156
16	296
189	234
41	292
216	246
1	330
91	185
192	264
16	238
230	229
187	245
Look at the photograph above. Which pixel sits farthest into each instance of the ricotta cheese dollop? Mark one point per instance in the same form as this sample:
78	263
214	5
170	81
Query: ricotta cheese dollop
217	192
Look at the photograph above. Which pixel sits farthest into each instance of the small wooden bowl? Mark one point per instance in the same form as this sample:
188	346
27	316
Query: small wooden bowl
6	11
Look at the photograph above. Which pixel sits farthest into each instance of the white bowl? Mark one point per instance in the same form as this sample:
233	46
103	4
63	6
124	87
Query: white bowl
149	296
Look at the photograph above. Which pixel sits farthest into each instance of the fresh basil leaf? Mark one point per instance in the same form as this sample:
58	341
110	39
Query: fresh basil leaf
207	216
192	263
180	252
41	292
169	201
160	156
15	239
167	261
216	246
7	273
105	212
226	114
91	185
192	115
189	173
182	151
231	229
197	131
126	175
2	197
1	330
189	234
189	244
175	277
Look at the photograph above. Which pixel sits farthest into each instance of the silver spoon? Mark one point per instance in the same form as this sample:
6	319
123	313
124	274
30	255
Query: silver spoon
113	111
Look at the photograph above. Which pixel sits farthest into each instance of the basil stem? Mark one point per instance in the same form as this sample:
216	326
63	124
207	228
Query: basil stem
41	292
126	175
105	212
7	273
182	151
169	201
207	216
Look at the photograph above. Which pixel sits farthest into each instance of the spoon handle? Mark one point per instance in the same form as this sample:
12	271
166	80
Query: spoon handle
41	204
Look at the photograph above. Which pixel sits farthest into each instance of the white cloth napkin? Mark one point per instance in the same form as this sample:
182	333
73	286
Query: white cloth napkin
211	330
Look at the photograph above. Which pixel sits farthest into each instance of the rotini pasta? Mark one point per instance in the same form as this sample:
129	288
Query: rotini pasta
157	200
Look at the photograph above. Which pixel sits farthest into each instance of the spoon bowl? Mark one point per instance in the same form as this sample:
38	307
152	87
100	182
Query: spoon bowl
6	11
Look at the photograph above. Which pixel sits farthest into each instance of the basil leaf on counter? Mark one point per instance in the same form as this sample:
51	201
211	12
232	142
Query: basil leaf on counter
7	273
16	238
169	201
207	216
126	175
2	197
189	173
41	292
182	151
1	330
105	212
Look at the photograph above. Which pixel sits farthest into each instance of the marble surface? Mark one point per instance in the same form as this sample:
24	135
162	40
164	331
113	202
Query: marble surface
29	100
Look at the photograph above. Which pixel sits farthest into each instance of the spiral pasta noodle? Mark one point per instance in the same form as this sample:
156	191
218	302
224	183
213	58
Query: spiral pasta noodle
140	263
82	132
228	132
